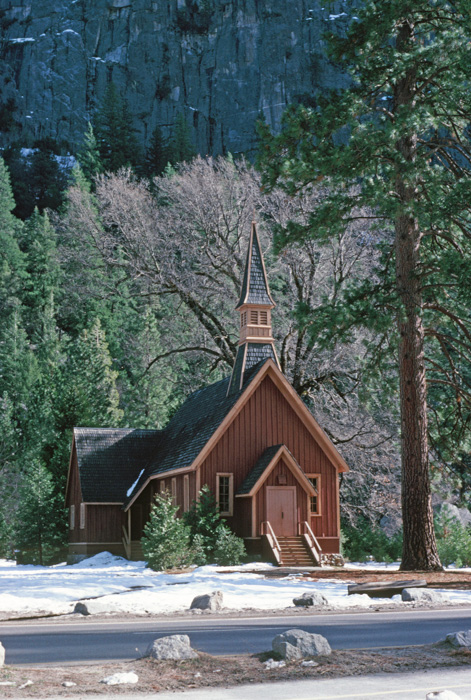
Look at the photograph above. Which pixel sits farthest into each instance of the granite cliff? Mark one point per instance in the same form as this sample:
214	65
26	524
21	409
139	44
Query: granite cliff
220	63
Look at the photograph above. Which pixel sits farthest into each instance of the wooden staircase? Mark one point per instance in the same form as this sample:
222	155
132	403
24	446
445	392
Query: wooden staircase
295	552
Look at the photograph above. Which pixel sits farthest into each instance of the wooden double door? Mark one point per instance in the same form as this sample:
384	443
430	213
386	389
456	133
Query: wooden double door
281	510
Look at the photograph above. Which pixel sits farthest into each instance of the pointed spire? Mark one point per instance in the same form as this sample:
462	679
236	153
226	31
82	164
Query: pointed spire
256	342
255	285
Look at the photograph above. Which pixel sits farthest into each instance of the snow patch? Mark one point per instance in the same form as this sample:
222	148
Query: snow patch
131	488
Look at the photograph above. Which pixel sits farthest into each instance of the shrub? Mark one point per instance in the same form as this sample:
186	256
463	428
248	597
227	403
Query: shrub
453	540
212	541
166	539
364	540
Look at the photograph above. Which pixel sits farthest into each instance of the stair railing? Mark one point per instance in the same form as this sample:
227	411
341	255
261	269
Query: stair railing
311	541
267	530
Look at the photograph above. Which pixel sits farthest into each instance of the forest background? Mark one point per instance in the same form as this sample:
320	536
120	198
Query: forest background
118	279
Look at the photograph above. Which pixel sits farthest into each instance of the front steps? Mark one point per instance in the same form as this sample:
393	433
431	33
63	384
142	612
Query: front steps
294	552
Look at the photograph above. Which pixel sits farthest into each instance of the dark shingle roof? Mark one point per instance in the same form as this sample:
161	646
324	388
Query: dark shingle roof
110	460
192	426
254	285
260	466
254	354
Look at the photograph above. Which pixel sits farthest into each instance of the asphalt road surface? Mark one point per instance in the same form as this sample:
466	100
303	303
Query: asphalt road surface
84	641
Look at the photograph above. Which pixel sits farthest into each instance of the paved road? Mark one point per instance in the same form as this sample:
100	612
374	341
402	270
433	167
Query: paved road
83	641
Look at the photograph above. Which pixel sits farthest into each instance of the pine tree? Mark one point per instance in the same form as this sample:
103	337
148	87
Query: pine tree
117	144
393	152
157	155
39	523
181	149
12	264
166	538
89	155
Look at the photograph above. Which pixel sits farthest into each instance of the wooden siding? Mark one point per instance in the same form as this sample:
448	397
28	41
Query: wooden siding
267	419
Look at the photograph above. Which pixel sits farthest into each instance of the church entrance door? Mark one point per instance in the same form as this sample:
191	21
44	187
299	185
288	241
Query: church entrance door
281	510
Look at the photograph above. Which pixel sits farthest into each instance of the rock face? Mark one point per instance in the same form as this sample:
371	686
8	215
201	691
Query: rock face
297	644
210	601
175	647
459	639
314	598
423	595
220	63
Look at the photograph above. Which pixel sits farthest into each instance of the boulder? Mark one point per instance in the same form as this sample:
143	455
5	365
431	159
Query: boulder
384	589
459	639
176	647
423	595
94	606
310	599
120	678
297	644
209	601
2	655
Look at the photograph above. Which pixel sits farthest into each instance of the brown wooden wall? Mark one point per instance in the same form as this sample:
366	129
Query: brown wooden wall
267	419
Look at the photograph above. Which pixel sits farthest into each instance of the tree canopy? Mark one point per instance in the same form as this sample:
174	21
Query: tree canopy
393	152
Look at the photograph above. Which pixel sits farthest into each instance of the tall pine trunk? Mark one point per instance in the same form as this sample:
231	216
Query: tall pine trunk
419	548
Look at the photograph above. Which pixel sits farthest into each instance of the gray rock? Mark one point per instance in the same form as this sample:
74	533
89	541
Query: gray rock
92	607
297	644
2	655
175	647
310	599
461	515
423	595
459	639
210	601
219	71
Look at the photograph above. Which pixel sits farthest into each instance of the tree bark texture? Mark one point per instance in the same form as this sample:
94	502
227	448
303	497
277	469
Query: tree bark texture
419	548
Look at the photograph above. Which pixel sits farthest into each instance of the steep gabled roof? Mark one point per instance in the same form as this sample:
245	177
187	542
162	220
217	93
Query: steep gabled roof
268	460
255	285
109	460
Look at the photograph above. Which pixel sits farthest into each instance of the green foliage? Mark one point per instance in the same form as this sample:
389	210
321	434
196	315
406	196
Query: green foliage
40	520
166	538
453	540
89	155
114	132
212	540
229	550
180	148
364	540
157	155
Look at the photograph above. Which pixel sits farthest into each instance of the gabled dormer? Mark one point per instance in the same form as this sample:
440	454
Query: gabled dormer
256	342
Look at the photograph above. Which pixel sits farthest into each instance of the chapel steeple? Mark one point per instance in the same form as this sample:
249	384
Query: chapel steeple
256	342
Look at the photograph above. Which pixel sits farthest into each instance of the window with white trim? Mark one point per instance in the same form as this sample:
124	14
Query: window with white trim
225	493
72	517
82	516
315	501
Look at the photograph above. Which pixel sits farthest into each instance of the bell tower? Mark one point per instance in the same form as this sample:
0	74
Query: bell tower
256	342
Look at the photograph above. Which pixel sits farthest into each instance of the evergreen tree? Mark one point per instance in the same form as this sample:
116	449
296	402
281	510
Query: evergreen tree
117	144
12	264
39	524
181	149
166	538
89	155
157	155
394	148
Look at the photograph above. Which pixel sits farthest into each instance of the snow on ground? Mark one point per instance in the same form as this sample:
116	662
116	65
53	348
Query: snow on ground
27	590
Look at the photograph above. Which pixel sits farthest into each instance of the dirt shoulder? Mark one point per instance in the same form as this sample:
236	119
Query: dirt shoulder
208	671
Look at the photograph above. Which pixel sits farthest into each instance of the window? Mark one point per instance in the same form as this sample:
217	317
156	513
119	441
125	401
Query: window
315	502
72	517
186	493
264	318
253	317
225	493
82	516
